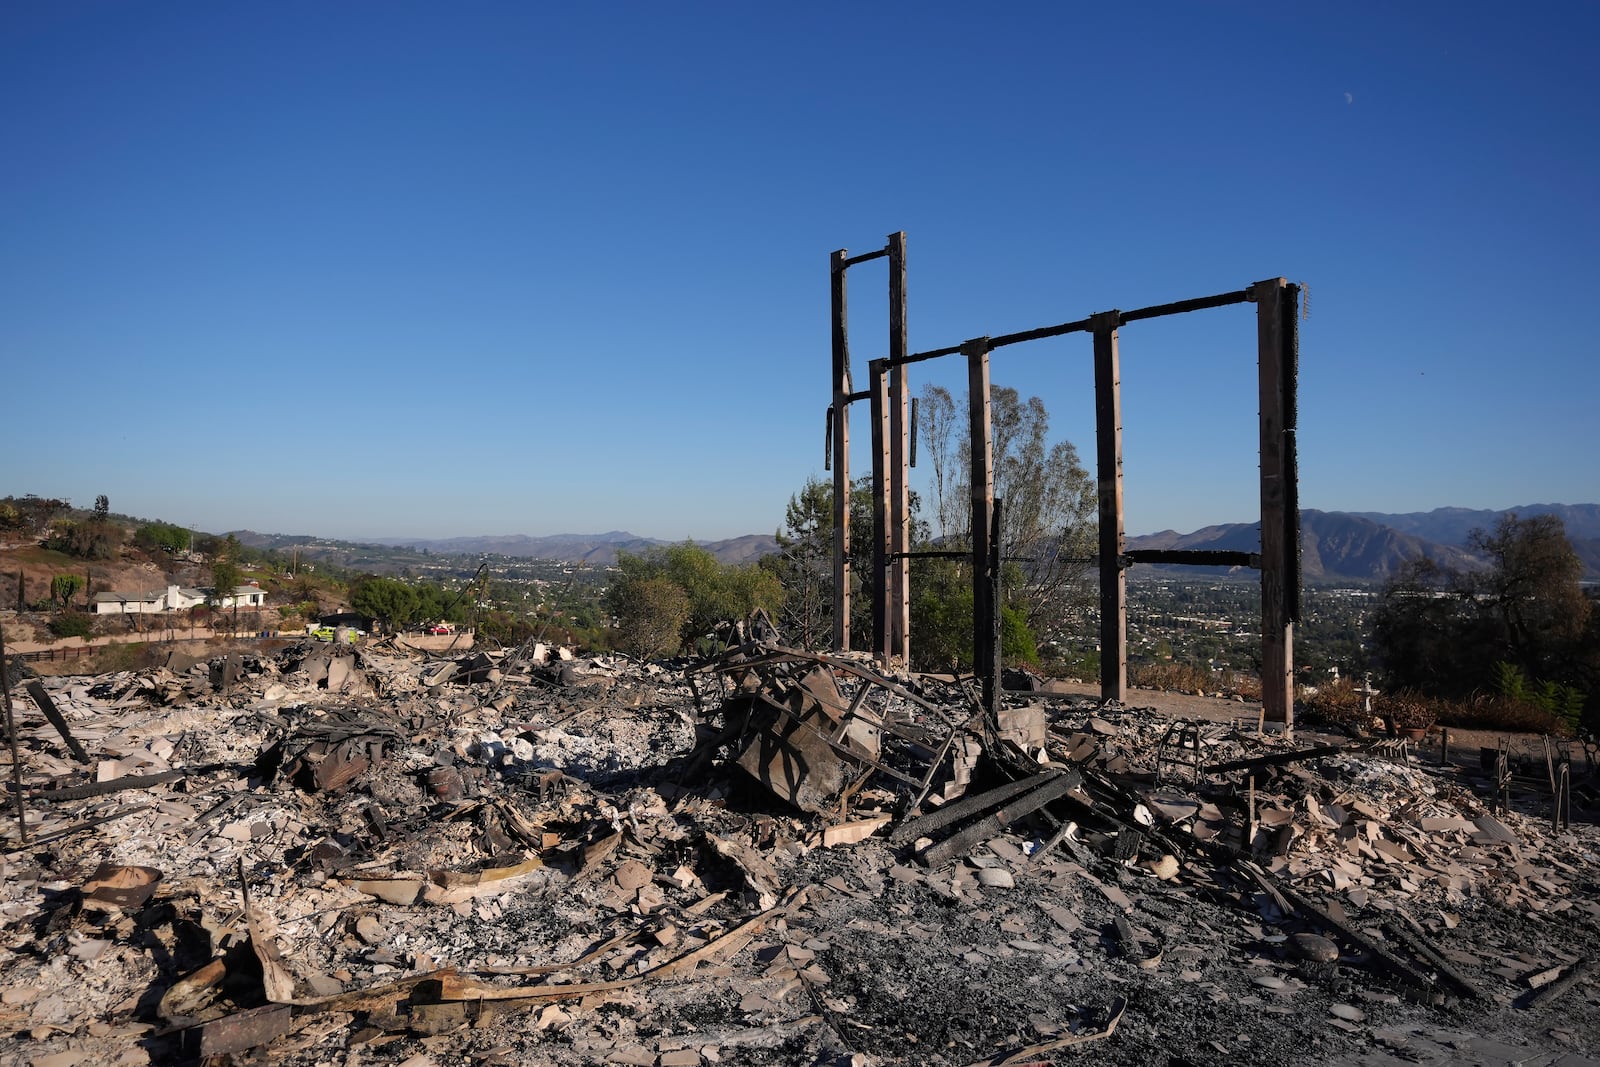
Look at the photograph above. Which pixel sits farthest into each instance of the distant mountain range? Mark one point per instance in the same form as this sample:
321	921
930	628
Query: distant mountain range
1369	546
1335	545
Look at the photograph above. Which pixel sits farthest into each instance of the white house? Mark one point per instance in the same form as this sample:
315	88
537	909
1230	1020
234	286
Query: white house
175	598
172	598
244	596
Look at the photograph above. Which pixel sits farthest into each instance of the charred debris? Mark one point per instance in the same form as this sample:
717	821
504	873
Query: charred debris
342	855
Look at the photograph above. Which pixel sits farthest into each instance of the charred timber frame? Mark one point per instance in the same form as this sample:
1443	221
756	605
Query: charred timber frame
985	605
1108	472
891	609
1277	314
839	415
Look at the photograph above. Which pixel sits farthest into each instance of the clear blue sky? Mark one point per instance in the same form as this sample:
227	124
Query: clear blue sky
365	269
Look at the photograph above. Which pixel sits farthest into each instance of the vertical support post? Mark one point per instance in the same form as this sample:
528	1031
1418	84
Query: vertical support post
11	734
992	682
882	534
1276	314
841	454
985	612
900	478
1108	472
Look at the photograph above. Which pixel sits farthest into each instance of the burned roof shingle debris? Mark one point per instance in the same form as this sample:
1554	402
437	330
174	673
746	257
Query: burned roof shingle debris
769	857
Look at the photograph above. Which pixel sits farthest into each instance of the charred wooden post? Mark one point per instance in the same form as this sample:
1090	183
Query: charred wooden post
899	473
882	535
11	735
1108	471
992	680
985	611
1276	315
841	455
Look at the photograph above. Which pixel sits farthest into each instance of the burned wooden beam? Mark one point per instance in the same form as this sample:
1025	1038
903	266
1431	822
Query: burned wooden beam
1193	557
89	824
1108	471
1578	972
964	808
11	732
1422	947
992	825
901	455
883	539
837	262
132	781
240	1031
1275	759
1280	515
37	691
1419	984
985	612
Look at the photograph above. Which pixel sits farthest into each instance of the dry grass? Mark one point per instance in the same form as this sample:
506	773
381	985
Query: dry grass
1171	677
1502	713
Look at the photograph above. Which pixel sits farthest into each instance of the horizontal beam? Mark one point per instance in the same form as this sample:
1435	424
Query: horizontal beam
1179	307
1199	303
1276	759
1078	326
1194	557
863	257
918	357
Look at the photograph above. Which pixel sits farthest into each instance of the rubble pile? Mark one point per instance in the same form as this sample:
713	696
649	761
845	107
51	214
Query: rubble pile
341	856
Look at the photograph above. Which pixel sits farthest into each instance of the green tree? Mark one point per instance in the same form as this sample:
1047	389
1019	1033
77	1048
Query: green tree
716	593
803	566
941	619
392	603
72	624
652	612
162	536
225	578
63	587
1532	589
1049	515
102	508
1444	631
86	540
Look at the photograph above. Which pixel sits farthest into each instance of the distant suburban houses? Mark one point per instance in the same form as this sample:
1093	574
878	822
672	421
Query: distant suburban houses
175	598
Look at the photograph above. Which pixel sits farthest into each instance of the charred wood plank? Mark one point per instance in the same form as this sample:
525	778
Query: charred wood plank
993	825
1276	759
1422	947
1575	974
37	691
1411	979
132	781
963	808
240	1031
1193	557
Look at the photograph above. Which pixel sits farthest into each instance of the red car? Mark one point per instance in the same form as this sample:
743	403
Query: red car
440	629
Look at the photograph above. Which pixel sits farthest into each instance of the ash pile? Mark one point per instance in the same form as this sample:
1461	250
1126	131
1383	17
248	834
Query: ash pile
360	856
